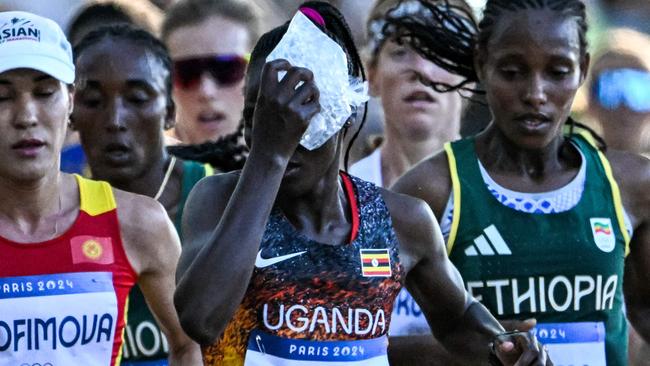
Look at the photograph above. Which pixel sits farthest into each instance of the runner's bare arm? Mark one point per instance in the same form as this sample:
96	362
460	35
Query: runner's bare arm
153	249
632	172
215	272
225	219
460	323
429	181
637	280
223	225
639	350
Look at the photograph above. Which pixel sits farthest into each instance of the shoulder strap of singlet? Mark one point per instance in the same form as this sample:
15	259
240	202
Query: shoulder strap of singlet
580	133
96	197
586	136
192	173
354	207
209	170
455	183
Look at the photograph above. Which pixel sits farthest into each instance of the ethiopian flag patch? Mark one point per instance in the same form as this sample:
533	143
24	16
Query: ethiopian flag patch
375	263
604	237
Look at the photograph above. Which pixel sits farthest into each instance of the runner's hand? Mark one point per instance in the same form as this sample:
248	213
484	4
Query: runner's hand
518	325
520	349
283	108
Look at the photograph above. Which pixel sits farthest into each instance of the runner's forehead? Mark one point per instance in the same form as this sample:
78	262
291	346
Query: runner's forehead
541	29
24	74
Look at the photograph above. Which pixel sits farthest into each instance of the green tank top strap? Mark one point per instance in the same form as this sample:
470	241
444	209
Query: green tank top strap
144	343
585	140
463	151
563	268
192	173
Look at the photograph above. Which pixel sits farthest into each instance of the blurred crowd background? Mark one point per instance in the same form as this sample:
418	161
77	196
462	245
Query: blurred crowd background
615	100
616	104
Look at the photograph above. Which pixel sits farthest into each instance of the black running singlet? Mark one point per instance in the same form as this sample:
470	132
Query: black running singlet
311	303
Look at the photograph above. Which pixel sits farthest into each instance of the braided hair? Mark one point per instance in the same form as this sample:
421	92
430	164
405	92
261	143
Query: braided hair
226	154
337	29
574	9
137	36
449	37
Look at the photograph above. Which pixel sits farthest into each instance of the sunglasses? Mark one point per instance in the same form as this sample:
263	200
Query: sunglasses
623	87
227	70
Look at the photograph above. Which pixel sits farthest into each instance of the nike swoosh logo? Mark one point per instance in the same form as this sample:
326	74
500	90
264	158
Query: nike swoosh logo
265	262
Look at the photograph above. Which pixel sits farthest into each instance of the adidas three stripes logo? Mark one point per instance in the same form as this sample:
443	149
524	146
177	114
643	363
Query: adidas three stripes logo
489	243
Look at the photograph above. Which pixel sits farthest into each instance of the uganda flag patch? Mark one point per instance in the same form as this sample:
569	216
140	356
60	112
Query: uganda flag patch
375	263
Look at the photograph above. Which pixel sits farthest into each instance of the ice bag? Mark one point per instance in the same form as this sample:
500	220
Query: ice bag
305	45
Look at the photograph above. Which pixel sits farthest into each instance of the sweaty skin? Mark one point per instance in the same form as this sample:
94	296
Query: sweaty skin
123	102
210	110
153	249
538	69
303	184
418	120
40	203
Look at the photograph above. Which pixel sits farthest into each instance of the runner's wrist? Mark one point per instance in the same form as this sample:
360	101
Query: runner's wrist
269	159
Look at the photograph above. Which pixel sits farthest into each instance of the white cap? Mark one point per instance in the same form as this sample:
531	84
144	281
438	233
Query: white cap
33	42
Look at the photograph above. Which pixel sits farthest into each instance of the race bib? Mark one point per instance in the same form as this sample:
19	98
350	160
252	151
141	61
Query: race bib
407	318
269	350
574	344
57	320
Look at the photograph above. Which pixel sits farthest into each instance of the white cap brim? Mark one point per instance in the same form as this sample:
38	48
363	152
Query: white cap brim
49	65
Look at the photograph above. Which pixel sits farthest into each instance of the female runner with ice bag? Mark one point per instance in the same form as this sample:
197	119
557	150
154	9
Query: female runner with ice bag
292	262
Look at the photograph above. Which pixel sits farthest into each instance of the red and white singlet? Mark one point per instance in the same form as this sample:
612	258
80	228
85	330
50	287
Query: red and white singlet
63	301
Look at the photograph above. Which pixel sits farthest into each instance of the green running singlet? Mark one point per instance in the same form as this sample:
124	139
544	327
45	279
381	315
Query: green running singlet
564	269
144	342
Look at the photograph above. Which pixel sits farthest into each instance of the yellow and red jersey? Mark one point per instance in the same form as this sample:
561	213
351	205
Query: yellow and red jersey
63	301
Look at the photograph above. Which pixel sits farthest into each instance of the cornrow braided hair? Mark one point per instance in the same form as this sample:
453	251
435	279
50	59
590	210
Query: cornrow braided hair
573	124
336	28
226	154
449	37
140	37
568	8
